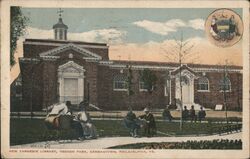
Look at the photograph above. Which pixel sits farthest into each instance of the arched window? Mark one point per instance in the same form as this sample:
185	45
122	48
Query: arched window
119	82
225	84
203	84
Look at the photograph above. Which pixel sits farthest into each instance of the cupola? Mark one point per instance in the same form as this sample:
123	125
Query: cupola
60	29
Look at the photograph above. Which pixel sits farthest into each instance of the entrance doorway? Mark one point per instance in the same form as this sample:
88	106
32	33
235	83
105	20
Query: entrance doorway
71	82
186	91
71	89
187	83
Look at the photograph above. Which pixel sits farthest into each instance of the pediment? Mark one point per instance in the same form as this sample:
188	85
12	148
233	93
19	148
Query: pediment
185	70
71	69
53	53
70	66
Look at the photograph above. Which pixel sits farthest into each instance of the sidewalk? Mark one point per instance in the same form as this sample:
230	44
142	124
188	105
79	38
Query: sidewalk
114	118
102	143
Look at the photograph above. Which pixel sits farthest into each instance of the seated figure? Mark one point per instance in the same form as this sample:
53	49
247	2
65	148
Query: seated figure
201	114
192	114
61	117
89	129
185	113
58	111
131	123
166	114
150	126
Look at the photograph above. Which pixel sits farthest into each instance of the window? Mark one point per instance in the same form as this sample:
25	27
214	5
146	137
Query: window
65	34
119	82
203	84
142	86
225	84
56	34
61	34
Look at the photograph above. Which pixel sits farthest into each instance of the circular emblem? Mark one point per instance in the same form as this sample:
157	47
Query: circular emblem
224	27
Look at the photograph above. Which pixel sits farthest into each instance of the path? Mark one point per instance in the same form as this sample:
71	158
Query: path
106	142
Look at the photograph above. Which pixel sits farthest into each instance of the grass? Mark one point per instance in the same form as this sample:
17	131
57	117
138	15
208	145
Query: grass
34	130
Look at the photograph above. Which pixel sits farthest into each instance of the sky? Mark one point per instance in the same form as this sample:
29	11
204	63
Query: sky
148	34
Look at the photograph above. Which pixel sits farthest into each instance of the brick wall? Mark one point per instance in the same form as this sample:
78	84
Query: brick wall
50	83
215	96
32	86
119	100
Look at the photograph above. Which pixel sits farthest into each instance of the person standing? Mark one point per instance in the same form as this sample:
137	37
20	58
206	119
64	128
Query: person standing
150	126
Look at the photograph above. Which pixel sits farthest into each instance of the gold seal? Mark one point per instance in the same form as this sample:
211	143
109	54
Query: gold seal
224	27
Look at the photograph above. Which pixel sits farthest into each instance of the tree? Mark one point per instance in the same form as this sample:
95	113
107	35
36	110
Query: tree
129	83
18	23
149	80
225	85
181	53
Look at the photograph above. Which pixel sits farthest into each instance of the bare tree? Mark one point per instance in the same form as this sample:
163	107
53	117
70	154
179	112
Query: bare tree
180	52
225	86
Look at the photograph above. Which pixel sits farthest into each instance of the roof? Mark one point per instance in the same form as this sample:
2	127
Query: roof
60	24
173	64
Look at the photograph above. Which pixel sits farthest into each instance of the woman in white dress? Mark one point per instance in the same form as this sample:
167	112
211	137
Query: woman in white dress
89	128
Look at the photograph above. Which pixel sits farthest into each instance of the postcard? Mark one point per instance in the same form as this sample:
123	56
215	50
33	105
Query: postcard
124	79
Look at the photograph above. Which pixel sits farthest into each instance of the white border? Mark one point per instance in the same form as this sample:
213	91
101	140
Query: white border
5	75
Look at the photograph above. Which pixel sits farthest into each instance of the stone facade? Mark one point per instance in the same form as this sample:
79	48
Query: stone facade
52	68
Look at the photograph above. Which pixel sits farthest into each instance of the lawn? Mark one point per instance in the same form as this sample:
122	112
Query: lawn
33	130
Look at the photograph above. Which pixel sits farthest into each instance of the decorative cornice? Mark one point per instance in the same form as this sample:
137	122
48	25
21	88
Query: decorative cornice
29	60
50	57
215	70
169	68
72	46
58	44
106	62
